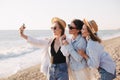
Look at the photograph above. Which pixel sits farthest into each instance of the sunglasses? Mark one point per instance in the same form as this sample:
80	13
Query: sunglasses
71	27
54	28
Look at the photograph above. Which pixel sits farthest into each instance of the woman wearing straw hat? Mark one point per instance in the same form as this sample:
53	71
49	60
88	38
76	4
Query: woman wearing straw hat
78	69
53	62
95	55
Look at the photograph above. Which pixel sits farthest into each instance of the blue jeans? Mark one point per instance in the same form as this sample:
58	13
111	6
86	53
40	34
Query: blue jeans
58	72
106	75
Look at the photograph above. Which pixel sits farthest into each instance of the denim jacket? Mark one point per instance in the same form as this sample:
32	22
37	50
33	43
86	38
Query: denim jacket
76	61
98	57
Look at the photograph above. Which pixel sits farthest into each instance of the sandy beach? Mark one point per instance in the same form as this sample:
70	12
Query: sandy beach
112	46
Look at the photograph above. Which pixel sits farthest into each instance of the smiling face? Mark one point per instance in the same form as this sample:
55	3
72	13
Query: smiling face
56	29
73	29
84	31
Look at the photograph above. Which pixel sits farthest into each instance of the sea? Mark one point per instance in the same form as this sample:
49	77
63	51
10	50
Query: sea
16	54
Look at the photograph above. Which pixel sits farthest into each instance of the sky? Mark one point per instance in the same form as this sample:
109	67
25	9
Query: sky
37	14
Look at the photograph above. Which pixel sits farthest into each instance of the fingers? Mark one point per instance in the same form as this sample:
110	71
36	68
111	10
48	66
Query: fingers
21	29
63	37
80	51
65	42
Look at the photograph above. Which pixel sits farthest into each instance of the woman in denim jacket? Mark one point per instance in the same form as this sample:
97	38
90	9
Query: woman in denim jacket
95	55
78	69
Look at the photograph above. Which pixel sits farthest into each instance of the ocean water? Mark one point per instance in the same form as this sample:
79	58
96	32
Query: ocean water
16	54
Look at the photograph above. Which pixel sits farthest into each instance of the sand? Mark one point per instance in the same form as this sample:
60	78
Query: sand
33	73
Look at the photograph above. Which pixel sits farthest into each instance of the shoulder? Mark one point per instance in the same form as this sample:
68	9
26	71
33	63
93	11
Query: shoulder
82	43
82	40
49	39
94	45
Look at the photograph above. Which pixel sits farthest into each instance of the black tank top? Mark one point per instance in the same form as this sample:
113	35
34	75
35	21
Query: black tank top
57	57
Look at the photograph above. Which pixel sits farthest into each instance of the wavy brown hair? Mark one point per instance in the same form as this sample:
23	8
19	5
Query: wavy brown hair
93	36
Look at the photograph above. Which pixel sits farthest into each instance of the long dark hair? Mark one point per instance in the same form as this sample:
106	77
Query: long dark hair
94	36
78	23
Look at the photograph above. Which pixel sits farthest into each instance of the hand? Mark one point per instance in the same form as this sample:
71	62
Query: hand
81	52
63	40
21	29
63	37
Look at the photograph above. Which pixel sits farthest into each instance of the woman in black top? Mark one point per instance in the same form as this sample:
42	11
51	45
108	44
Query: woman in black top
57	67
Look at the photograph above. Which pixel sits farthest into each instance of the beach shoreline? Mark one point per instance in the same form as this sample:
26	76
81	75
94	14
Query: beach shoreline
112	46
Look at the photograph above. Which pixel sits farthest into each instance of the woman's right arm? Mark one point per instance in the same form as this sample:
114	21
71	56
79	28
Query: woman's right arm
33	41
22	28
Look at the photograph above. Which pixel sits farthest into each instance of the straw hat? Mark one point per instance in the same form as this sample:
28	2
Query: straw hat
92	25
56	19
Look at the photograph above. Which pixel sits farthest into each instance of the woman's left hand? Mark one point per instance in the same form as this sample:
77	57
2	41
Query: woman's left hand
82	53
63	40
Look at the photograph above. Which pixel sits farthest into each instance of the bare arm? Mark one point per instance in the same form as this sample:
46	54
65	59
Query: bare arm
33	41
